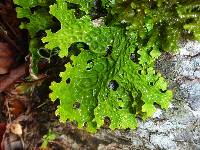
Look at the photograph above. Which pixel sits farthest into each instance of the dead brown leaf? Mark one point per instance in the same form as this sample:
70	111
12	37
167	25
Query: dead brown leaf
15	74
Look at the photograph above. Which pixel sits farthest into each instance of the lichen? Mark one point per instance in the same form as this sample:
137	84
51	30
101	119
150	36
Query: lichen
111	73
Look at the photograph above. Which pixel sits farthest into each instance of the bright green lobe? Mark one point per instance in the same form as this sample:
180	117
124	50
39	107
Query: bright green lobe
87	94
37	19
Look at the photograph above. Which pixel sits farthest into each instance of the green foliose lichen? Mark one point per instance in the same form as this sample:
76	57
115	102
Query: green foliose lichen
113	46
104	81
35	14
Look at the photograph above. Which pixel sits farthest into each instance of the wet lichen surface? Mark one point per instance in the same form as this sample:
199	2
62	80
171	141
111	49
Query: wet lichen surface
110	85
178	127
